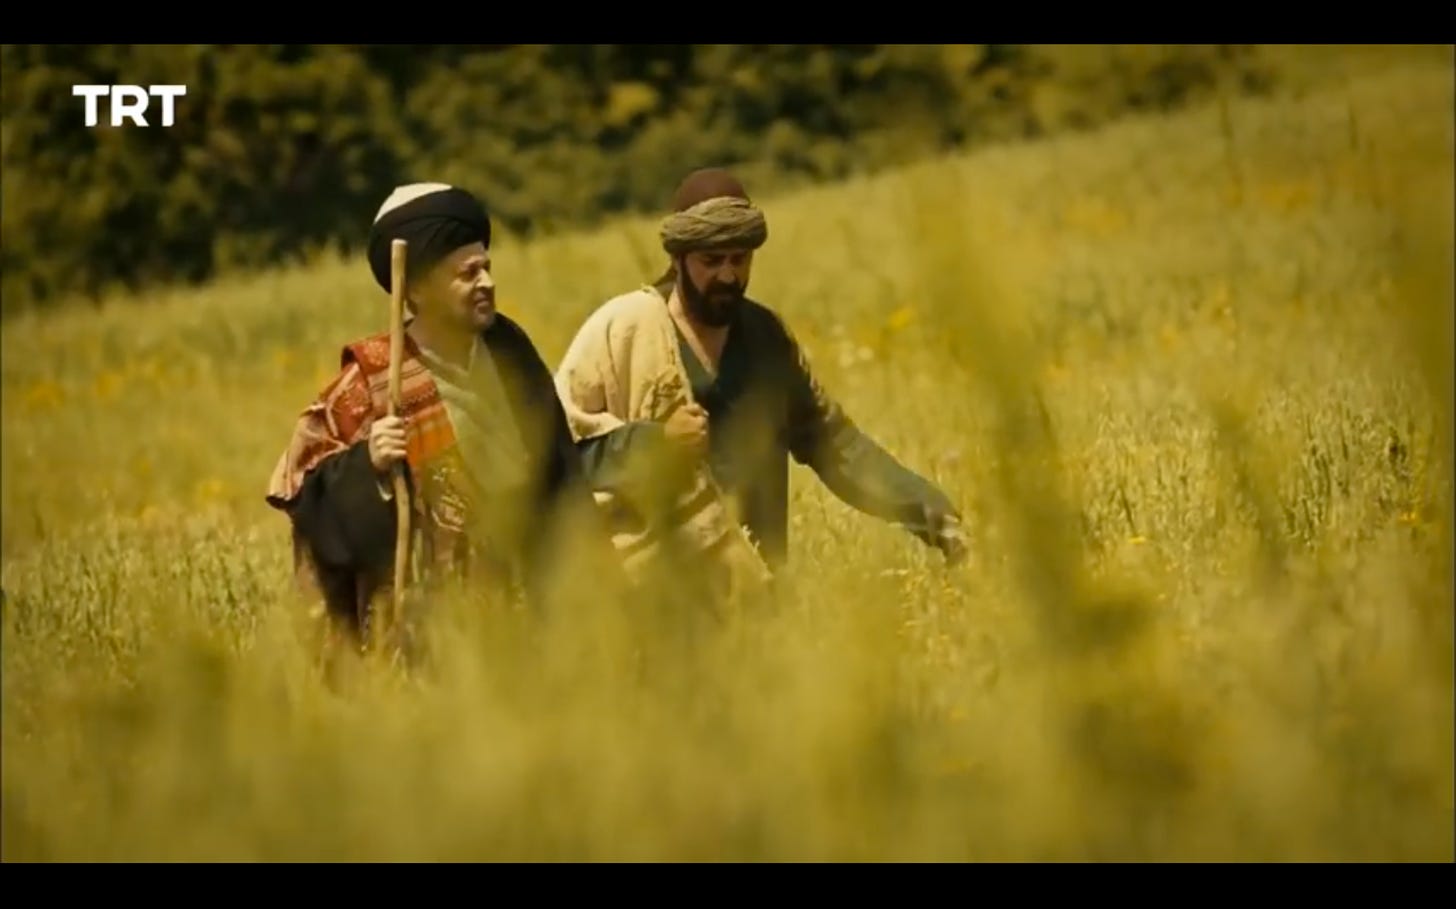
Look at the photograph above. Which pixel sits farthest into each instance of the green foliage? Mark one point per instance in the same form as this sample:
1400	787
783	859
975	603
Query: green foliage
281	151
275	150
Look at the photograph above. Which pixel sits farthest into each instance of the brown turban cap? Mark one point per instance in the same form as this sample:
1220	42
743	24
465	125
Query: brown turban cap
712	211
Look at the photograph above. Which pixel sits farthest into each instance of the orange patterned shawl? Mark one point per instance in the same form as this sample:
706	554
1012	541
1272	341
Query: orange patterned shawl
341	416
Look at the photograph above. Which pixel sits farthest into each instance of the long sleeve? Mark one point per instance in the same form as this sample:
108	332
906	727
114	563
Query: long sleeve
856	468
566	501
610	460
326	485
623	453
343	515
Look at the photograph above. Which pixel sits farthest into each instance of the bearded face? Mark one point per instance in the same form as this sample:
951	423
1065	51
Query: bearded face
714	283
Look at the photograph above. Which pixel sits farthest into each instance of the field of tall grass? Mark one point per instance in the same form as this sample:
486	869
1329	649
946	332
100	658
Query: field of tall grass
1189	377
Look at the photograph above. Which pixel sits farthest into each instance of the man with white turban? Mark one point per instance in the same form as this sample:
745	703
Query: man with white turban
488	458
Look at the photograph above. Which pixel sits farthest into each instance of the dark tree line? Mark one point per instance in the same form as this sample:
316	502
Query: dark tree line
280	150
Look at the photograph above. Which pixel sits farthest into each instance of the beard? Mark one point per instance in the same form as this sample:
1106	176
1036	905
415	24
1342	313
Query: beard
716	306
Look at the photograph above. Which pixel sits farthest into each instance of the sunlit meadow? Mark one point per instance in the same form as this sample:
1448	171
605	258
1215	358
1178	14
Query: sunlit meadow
1188	377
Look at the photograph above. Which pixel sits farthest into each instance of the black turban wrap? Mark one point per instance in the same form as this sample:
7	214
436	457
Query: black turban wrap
434	219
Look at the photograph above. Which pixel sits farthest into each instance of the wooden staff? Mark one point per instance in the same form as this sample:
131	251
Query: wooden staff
401	493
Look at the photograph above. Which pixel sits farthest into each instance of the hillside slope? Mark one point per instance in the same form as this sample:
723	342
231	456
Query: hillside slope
1189	377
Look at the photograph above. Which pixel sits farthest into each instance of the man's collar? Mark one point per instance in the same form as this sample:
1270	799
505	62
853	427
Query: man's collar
478	341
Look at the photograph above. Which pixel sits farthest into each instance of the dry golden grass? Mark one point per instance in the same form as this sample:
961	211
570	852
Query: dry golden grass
1190	379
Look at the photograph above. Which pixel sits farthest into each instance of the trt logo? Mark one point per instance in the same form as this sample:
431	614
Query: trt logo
129	101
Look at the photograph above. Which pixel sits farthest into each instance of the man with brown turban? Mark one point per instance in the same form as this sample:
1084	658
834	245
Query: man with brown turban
692	385
488	459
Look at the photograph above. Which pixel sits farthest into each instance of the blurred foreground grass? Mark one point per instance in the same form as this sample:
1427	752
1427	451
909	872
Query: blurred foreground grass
1190	379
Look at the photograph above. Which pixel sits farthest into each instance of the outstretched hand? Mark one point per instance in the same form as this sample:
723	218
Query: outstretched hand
950	539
